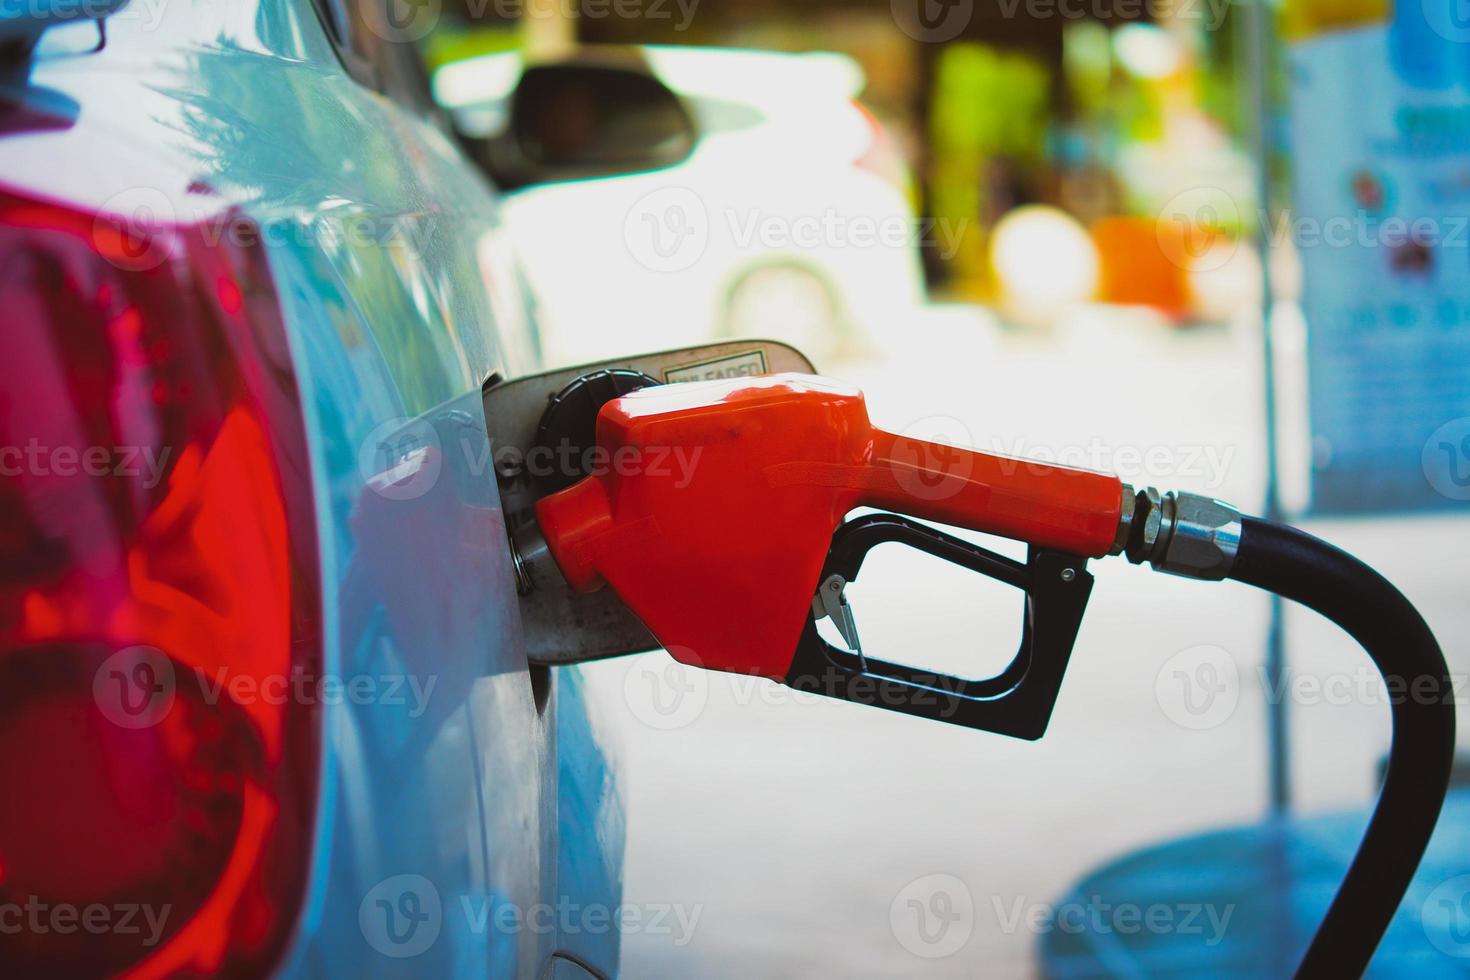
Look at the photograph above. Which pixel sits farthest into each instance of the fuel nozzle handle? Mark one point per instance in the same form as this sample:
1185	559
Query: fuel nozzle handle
1043	504
721	554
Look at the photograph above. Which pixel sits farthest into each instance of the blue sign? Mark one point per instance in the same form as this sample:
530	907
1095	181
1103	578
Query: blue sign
1380	141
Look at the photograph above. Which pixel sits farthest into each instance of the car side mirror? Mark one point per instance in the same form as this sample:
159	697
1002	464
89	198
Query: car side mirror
573	120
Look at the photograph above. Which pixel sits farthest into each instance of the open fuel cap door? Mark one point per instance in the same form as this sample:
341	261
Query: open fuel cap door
542	438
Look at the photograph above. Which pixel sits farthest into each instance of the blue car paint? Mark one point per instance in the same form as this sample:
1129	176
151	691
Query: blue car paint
481	794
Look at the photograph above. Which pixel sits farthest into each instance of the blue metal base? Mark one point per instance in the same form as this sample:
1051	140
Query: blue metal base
1245	902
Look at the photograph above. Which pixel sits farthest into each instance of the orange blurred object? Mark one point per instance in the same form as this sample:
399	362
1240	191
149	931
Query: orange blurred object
1144	262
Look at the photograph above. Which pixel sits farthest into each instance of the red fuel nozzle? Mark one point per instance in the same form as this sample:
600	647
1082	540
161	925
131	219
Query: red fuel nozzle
715	512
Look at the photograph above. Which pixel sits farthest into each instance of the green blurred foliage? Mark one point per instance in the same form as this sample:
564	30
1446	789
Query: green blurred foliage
984	104
457	41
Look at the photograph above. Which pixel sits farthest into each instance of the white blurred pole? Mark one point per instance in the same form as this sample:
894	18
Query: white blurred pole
1258	37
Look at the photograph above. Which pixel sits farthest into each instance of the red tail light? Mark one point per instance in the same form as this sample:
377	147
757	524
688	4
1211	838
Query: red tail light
158	591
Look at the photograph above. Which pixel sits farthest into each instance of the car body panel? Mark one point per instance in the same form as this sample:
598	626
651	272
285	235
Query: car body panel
389	261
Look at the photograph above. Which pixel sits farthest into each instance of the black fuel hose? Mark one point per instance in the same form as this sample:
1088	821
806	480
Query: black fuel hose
1303	568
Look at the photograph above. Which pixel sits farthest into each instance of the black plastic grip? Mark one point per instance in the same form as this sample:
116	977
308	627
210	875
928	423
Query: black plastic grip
1018	701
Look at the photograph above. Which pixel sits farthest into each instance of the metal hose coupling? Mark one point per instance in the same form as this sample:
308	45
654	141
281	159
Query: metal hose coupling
1182	533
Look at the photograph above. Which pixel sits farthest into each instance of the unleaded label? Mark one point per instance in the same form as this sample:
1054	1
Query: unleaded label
747	364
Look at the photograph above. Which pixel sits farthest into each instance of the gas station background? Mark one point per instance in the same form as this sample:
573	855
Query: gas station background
1117	171
1104	117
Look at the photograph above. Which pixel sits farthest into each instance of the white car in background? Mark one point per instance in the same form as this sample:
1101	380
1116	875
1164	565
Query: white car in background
790	219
